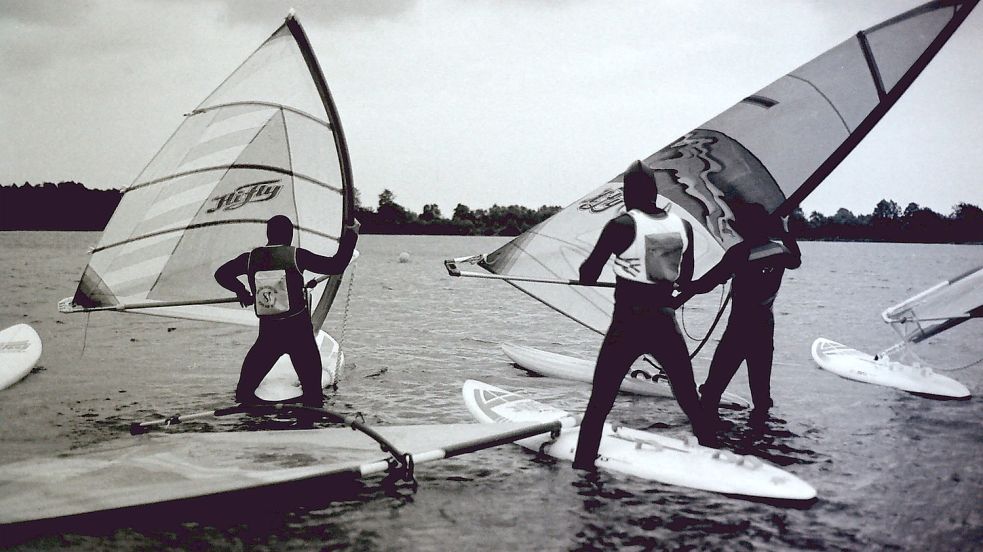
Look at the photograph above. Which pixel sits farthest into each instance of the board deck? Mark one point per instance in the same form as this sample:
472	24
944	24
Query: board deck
158	468
20	349
859	366
637	382
642	454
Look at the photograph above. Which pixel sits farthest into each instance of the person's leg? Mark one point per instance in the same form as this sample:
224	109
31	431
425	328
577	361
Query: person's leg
669	349
727	358
760	355
257	363
306	360
613	361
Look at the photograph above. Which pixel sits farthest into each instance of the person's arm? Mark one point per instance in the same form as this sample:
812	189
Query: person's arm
335	264
794	258
615	238
715	276
228	274
686	266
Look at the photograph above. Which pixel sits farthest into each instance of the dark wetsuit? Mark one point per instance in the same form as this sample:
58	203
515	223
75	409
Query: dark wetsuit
292	335
643	322
750	333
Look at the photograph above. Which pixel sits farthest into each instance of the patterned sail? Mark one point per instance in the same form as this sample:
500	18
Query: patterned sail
772	148
267	141
938	308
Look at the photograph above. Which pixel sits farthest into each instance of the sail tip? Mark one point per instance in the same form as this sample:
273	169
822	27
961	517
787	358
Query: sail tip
291	14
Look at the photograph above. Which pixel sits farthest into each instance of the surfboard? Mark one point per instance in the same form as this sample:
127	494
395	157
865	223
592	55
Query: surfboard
20	349
282	384
637	382
642	454
165	469
859	366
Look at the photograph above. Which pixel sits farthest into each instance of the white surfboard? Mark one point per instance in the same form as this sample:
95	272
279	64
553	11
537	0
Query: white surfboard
640	453
282	384
638	382
858	366
20	349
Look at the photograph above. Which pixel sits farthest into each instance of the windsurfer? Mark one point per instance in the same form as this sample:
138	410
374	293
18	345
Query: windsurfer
757	265
653	252
275	273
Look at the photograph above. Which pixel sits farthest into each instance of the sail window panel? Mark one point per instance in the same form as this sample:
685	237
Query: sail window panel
275	73
897	45
189	272
222	150
312	150
259	185
170	156
176	202
232	118
134	253
135	279
316	243
181	206
843	77
129	253
318	208
800	112
128	214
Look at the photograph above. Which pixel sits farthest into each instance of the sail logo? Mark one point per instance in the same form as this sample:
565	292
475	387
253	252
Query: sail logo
603	201
248	193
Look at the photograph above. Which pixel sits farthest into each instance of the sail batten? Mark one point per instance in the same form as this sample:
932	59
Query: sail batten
772	148
267	141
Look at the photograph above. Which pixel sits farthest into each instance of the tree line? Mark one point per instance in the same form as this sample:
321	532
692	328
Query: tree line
72	206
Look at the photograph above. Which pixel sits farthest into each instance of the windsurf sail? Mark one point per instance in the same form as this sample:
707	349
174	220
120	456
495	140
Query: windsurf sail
267	141
772	148
938	308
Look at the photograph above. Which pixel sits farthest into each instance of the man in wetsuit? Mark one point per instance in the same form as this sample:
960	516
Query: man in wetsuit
275	273
654	251
757	265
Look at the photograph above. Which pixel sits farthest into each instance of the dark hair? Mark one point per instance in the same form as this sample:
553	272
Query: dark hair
279	230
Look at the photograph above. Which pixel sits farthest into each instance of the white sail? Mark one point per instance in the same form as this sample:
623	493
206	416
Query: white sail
938	308
267	141
772	148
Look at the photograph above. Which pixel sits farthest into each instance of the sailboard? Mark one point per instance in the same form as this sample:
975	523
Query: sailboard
20	349
643	454
772	148
122	479
267	141
929	313
639	381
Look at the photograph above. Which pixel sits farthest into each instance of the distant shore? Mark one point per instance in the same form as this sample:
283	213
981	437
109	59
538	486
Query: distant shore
70	206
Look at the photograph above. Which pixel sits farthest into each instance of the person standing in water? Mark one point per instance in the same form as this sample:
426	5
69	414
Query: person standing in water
275	273
653	253
757	265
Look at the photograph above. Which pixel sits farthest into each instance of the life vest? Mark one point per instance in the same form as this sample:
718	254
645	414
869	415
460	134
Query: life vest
276	281
656	253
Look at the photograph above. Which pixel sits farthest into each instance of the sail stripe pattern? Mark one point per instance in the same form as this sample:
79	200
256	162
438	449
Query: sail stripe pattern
772	148
267	141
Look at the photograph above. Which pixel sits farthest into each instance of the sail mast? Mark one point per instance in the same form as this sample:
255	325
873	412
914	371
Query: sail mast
341	145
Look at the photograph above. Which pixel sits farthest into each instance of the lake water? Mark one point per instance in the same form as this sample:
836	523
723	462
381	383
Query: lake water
892	470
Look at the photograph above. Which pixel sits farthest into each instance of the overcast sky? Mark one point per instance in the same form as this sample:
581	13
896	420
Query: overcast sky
511	102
